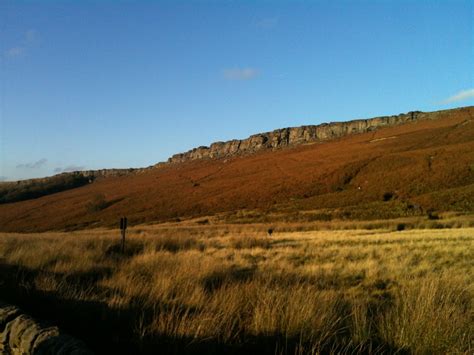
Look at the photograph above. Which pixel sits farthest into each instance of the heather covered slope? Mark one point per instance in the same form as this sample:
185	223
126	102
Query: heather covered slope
395	171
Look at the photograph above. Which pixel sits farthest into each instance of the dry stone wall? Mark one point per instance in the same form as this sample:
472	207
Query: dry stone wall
21	335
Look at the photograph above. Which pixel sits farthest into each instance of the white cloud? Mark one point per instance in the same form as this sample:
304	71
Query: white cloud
69	169
14	52
460	96
267	23
33	165
240	73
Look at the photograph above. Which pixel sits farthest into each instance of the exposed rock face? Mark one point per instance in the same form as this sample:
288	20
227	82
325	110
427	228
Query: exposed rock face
287	137
21	334
280	138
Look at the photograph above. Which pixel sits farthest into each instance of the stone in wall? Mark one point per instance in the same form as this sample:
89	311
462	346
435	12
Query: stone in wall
20	334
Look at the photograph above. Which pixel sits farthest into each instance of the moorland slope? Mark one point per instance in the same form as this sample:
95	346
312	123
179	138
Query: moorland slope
405	169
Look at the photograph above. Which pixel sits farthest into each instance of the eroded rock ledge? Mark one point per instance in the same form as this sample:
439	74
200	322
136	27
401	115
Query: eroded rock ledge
280	138
21	334
292	136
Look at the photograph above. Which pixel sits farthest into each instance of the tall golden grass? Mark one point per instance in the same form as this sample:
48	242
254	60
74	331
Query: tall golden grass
347	291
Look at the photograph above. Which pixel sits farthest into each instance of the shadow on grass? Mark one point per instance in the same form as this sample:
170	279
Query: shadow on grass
108	330
220	278
132	248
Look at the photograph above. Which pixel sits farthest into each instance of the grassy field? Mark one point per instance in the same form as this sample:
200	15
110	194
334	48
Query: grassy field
207	290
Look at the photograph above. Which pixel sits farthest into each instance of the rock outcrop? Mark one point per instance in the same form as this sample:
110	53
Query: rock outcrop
280	138
21	334
287	137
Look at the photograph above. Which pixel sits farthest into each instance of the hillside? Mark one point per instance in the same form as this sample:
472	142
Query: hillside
14	191
400	170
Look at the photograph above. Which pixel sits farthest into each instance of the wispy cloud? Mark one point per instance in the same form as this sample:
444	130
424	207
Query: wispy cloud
30	38
240	73
33	165
267	23
69	168
14	52
460	96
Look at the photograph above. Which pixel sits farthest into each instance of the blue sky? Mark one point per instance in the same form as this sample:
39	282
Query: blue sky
102	84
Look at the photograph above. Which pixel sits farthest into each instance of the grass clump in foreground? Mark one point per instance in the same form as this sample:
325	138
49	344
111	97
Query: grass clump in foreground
309	292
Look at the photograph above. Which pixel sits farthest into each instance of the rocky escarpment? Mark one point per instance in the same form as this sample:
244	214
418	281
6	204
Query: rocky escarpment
21	334
293	136
280	138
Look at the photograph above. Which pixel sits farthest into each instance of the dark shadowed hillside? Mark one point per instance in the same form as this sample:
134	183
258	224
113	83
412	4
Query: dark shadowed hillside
408	169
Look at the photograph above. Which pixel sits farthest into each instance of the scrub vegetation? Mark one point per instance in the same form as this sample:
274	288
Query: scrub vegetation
35	188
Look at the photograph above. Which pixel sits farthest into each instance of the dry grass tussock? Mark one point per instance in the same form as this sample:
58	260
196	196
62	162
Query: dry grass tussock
308	292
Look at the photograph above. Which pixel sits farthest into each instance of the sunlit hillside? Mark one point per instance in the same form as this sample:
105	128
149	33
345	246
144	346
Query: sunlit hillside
415	169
